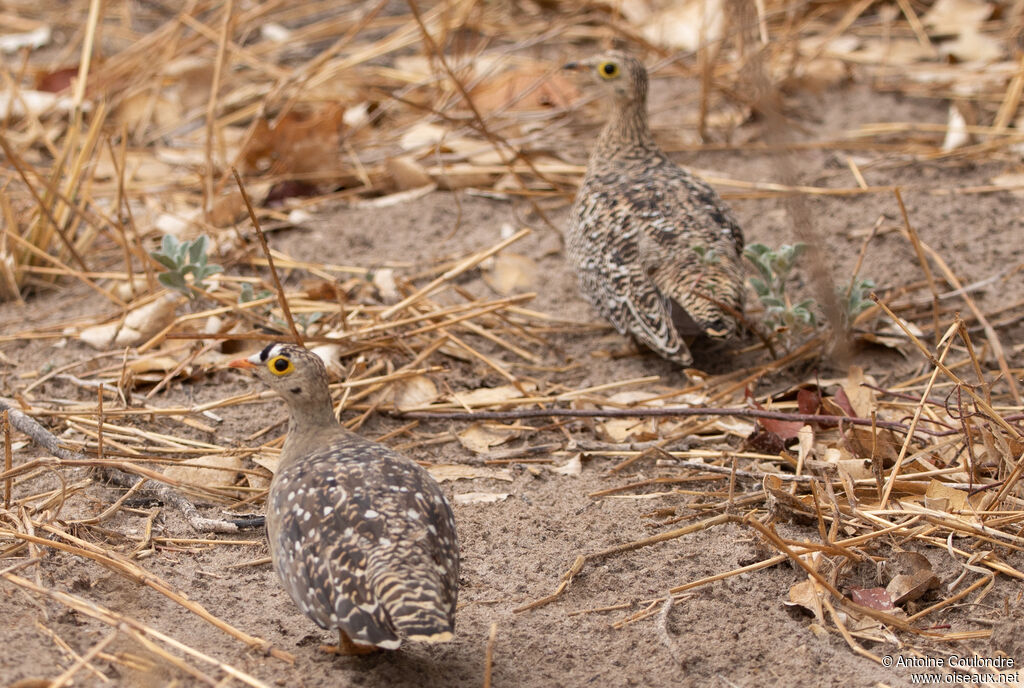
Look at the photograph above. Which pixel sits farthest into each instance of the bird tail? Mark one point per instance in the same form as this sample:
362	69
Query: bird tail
419	607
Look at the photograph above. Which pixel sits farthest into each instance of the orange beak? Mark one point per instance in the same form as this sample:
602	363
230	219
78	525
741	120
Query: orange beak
242	363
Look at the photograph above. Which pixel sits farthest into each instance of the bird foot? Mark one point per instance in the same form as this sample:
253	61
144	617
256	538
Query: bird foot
347	648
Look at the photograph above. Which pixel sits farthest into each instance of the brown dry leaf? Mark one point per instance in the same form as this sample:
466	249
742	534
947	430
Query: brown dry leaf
874	598
1014	181
423	134
805	444
228	209
880	444
481	497
912	578
542	89
268	461
330	354
806	594
442	472
409	393
953	17
620	430
781	502
387	287
190	472
908	588
153	364
301	142
488	396
57	80
735	426
681	25
861	398
972	46
140	109
139	325
511	272
406	173
480	437
574	466
942	497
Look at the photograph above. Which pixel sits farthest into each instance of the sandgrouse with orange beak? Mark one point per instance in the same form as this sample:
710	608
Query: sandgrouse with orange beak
362	537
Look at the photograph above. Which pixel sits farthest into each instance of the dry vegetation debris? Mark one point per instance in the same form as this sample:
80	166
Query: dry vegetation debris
124	124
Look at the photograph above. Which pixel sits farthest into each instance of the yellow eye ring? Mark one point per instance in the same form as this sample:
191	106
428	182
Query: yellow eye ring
608	70
279	365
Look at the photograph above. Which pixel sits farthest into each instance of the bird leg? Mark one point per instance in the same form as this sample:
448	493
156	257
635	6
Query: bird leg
347	648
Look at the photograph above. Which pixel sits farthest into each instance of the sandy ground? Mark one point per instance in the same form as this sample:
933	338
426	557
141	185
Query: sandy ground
736	632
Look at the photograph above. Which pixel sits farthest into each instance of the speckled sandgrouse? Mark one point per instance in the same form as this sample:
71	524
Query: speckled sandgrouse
362	537
655	249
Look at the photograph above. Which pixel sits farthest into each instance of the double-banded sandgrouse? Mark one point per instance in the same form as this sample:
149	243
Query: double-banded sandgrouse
655	249
362	537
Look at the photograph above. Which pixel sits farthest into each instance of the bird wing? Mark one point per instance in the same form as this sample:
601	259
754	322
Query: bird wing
346	525
691	248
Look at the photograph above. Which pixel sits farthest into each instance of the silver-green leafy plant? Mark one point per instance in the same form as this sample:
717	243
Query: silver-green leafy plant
781	315
855	298
182	259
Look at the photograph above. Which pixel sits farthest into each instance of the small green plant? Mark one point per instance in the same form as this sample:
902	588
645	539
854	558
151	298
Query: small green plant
854	298
781	315
247	294
184	258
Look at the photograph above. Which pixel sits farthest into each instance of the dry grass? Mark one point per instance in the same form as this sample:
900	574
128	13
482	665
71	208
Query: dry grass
147	146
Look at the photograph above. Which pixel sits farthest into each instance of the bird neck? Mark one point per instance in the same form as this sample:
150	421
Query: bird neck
627	130
311	424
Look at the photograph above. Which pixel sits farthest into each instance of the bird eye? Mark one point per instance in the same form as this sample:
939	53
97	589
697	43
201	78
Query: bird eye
279	365
608	70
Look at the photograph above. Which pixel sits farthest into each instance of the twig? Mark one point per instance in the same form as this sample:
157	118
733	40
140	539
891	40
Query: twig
489	654
270	260
662	411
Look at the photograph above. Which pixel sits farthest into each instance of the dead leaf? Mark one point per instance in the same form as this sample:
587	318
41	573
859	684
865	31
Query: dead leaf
862	399
942	497
409	392
489	396
139	325
153	364
525	87
387	287
190	471
806	594
574	466
298	143
442	472
1014	181
481	497
406	173
912	576
480	437
808	401
682	25
511	272
953	17
873	598
57	80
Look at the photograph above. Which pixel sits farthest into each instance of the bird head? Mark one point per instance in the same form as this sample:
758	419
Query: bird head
621	74
294	372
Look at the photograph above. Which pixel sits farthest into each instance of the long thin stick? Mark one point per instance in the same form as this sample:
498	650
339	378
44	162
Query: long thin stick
270	260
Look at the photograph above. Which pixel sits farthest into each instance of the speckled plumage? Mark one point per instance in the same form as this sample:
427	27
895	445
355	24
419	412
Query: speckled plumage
640	225
362	537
